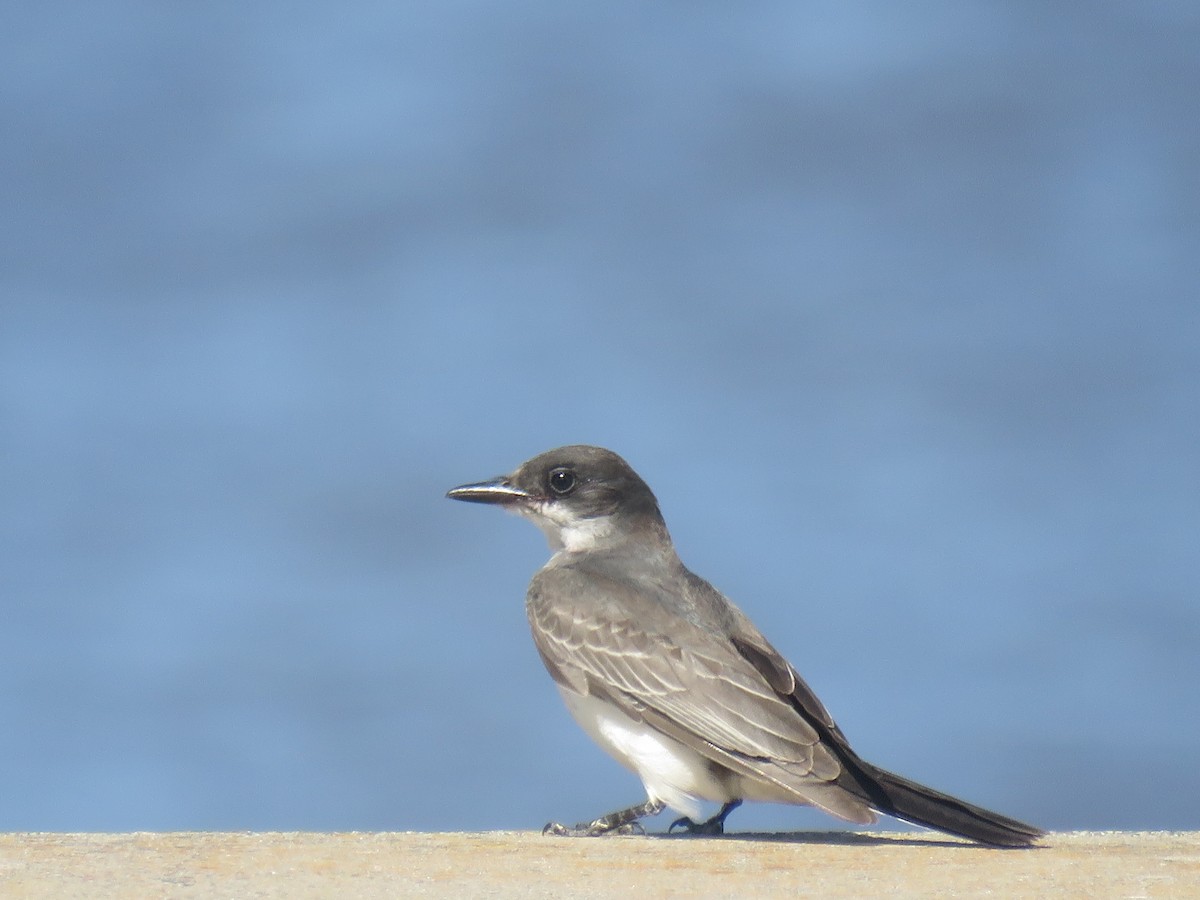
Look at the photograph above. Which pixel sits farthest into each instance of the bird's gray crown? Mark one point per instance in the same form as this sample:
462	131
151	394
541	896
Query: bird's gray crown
582	497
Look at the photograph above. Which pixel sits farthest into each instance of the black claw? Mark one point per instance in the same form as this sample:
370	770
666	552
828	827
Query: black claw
683	822
713	826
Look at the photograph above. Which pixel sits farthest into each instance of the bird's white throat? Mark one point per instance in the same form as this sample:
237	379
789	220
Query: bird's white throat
565	531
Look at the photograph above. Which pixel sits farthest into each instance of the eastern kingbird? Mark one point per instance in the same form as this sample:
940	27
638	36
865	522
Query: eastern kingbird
673	680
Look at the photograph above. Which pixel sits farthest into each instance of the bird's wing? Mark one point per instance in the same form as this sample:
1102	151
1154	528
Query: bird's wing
691	683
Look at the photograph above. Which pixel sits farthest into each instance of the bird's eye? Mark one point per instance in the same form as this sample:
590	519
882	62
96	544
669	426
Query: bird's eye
562	481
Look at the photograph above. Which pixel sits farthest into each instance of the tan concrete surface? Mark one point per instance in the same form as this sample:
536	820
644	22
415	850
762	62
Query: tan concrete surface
522	864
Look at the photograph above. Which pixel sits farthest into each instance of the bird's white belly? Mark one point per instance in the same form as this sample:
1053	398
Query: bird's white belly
671	772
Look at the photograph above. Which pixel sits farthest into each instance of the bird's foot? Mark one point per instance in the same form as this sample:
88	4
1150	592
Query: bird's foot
623	821
691	826
591	829
713	826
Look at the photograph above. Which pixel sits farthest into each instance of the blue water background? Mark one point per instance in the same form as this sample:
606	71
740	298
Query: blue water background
895	307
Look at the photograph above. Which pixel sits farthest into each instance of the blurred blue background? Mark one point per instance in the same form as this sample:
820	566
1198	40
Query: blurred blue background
894	307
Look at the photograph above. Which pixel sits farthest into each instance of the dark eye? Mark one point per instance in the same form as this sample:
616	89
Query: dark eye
562	481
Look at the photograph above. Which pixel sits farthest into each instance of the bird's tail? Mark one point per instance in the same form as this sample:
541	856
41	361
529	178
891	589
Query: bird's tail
912	802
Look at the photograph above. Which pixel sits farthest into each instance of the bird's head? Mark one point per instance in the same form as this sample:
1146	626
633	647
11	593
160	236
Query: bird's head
581	497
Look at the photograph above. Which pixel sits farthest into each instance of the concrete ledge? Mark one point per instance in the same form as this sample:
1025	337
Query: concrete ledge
523	864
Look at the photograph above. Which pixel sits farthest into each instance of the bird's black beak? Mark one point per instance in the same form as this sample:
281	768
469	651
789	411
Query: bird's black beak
498	490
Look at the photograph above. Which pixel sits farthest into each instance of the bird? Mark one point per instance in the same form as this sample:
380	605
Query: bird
674	681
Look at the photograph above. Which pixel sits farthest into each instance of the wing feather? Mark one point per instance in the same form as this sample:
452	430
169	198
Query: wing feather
691	683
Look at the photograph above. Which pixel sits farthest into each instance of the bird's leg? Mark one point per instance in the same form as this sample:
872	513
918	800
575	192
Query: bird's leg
715	825
623	821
